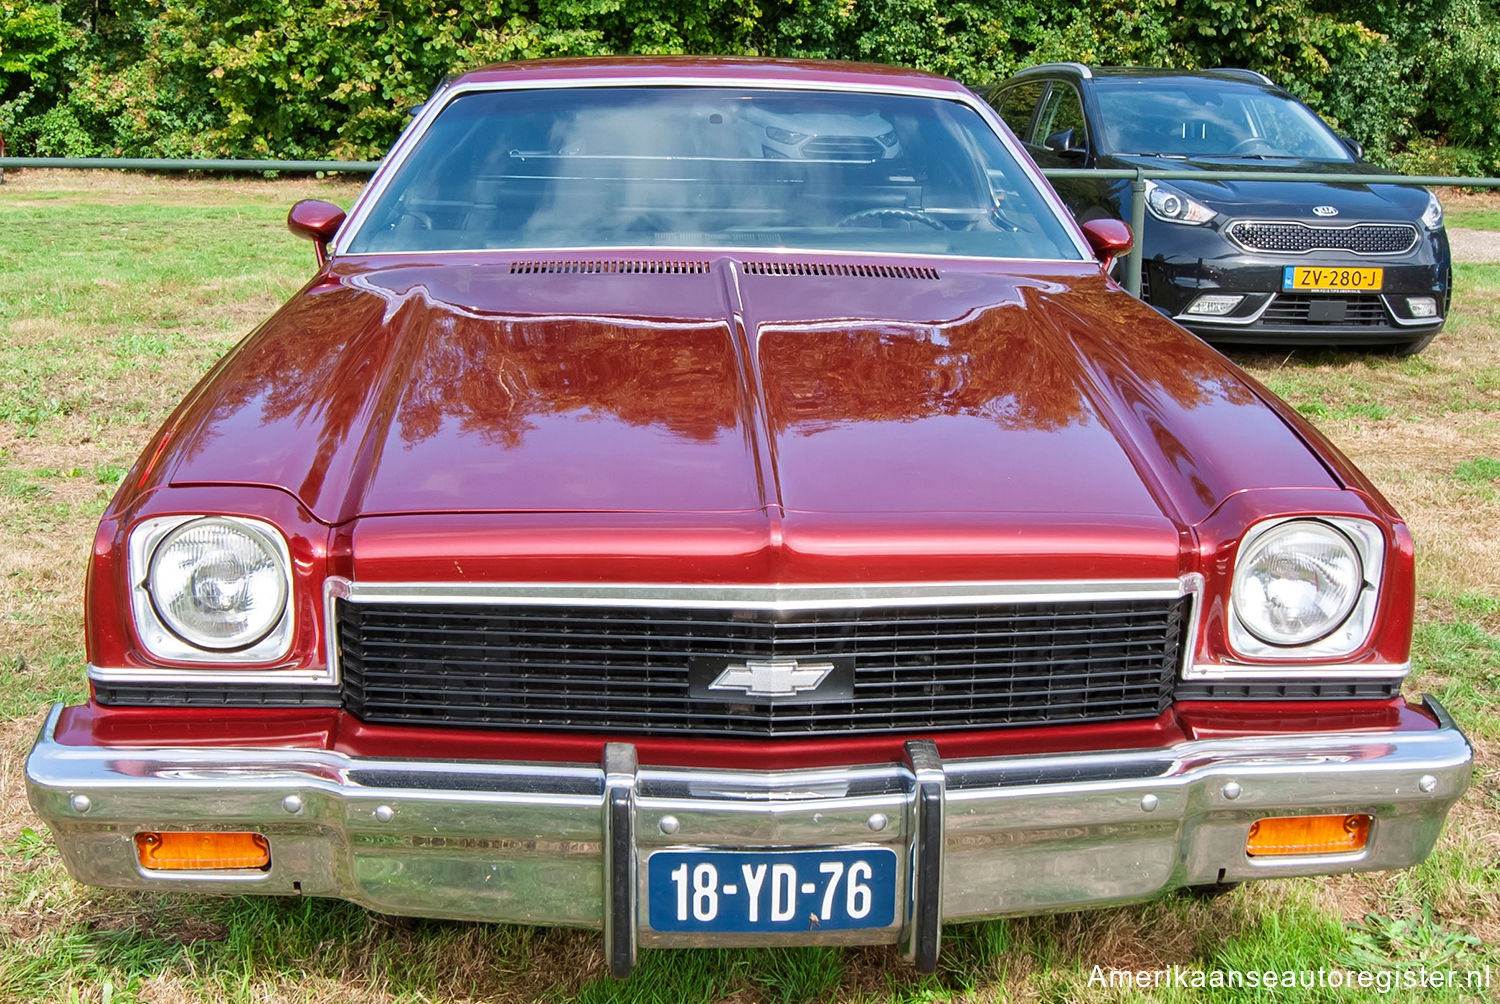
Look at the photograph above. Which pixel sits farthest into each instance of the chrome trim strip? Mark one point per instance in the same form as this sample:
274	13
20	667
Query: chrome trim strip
1411	322
133	674
1207	319
418	126
778	597
1230	228
1324	671
1193	585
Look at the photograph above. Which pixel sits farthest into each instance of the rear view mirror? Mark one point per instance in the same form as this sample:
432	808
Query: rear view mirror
1065	143
1109	239
318	221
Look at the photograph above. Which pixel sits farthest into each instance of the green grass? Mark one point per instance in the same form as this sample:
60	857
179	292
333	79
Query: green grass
1473	219
112	304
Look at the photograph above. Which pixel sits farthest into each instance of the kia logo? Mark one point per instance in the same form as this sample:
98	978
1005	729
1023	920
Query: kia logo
1325	211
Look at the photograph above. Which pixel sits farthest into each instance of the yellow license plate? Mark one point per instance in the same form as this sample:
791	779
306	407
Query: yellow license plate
1317	279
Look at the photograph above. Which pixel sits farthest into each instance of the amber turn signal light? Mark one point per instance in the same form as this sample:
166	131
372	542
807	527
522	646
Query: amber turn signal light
1286	835
183	851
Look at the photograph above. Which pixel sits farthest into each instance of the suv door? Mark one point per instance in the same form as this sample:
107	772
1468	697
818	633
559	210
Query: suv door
1017	105
1061	137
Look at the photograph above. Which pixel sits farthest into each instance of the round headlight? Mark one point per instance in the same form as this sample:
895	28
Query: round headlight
1296	582
218	584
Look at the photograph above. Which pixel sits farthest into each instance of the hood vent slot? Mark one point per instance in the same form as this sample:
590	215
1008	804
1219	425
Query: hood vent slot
616	266
793	268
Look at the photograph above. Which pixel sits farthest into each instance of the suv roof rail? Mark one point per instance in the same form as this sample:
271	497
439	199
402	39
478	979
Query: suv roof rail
1240	71
1078	68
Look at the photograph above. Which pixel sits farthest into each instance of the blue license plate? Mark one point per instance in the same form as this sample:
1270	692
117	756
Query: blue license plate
750	891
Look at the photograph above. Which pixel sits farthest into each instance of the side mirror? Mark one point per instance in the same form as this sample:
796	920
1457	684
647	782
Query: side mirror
1065	143
1355	147
318	221
1109	239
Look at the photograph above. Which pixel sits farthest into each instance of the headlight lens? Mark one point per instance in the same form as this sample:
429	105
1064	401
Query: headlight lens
1432	216
785	136
1174	207
1297	582
218	584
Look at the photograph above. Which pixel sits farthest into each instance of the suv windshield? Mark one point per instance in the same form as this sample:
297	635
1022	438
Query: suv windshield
1199	117
712	167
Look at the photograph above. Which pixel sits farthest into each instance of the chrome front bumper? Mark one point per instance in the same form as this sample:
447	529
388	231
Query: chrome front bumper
567	844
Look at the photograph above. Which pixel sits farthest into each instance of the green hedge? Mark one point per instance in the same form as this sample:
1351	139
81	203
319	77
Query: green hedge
1418	82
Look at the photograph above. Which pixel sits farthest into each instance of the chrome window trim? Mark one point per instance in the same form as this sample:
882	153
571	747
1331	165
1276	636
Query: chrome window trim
417	128
157	640
1229	229
716	250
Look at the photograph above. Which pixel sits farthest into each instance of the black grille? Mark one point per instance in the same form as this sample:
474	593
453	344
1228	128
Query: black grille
610	266
1296	238
864	271
1294	690
842	148
1301	309
625	669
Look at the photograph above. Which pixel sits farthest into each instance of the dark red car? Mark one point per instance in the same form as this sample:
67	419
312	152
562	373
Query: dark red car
726	502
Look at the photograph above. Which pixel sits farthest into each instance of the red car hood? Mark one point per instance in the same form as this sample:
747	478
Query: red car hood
484	384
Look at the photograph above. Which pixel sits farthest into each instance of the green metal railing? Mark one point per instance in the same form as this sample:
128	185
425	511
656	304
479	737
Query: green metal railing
1137	178
192	164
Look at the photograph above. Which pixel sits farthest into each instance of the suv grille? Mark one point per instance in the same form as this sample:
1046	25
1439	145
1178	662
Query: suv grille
1297	238
624	669
1298	309
842	148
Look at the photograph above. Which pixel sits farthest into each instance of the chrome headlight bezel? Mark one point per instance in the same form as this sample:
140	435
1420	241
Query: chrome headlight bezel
161	640
1366	541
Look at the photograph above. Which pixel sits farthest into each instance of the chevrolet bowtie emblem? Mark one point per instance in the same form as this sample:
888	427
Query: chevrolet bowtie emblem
772	677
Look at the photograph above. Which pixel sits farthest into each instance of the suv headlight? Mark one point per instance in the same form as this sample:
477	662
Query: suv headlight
1432	216
211	588
1172	206
1305	587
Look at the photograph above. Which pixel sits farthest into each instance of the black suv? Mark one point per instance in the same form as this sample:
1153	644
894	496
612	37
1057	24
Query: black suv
1241	261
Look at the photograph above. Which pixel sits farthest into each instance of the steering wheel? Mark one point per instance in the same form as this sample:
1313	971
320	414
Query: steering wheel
1251	145
913	215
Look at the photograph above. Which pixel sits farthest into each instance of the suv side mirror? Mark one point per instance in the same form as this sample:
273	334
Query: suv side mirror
1355	146
1109	239
318	221
1065	143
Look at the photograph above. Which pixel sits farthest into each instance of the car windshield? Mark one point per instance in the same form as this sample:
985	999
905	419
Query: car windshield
1197	117
712	167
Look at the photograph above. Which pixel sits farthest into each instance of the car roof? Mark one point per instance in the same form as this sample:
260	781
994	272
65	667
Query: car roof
1226	73
709	69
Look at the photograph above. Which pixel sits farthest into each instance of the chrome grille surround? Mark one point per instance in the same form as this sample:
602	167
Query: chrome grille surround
616	658
1293	237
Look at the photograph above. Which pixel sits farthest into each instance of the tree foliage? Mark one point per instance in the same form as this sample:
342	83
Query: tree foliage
1418	81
